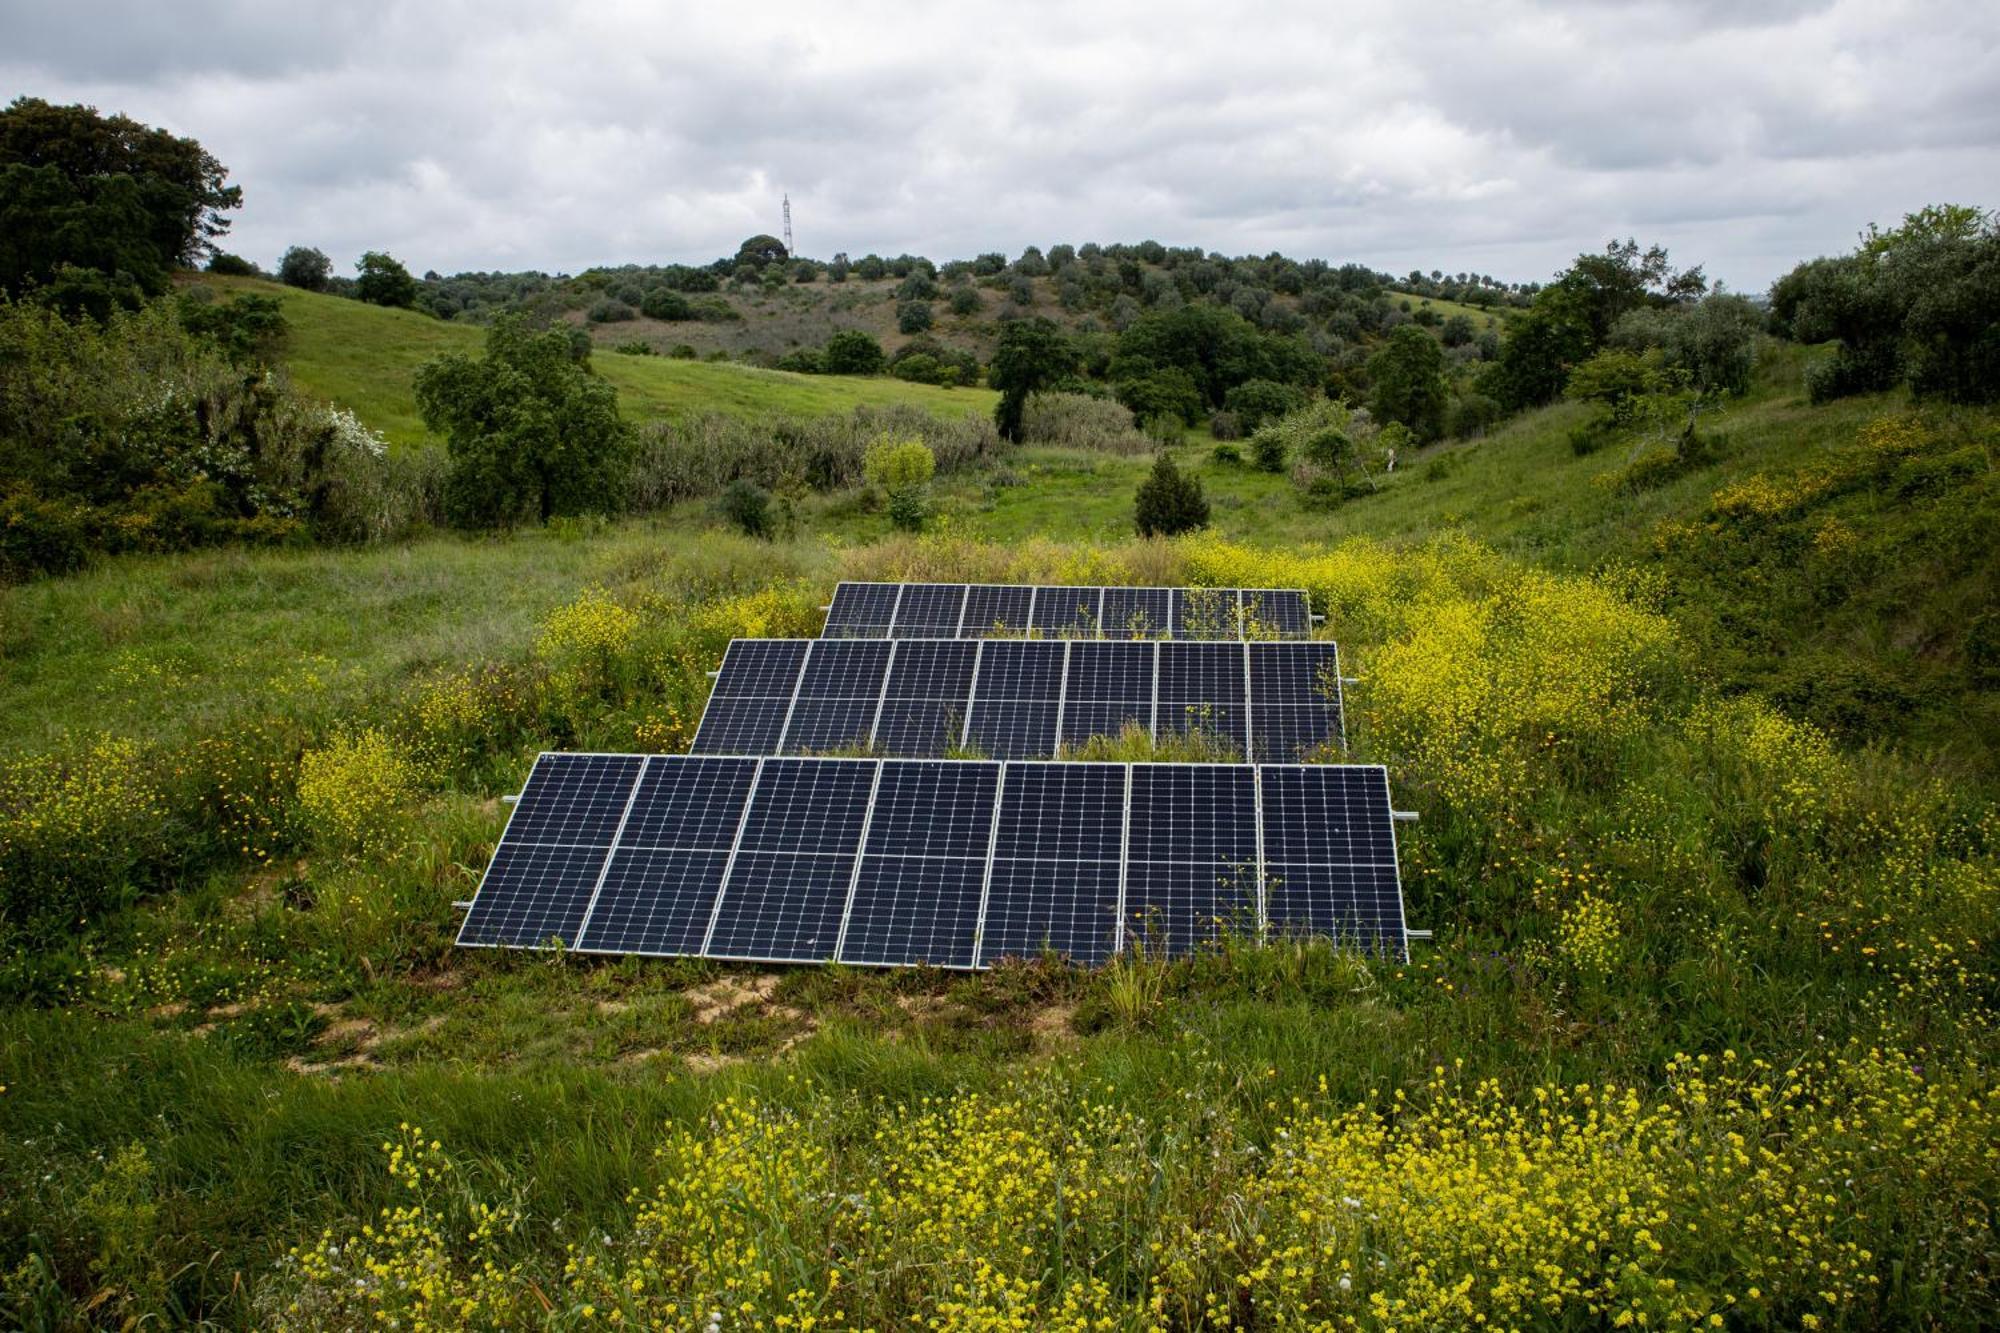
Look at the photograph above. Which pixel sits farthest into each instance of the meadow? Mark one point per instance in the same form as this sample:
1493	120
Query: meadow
1705	1037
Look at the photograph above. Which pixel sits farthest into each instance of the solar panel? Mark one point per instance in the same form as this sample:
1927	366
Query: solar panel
1108	687
1202	689
977	611
1275	613
794	864
1058	850
1330	854
1191	855
1296	701
1016	696
925	702
659	893
537	887
753	694
1137	613
840	691
949	862
930	611
916	896
996	610
862	611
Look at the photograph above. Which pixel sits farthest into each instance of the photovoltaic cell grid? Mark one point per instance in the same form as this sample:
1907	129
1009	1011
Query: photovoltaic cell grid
978	611
954	863
1020	698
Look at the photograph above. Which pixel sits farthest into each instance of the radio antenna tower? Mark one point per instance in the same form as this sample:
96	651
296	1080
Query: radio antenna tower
788	224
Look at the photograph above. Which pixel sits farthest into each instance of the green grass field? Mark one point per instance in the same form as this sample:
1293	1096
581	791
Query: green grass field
365	358
1705	1037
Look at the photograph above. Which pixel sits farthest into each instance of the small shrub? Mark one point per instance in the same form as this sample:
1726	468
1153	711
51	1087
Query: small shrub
610	311
748	506
913	316
903	469
1268	448
683	352
1169	501
1227	454
1226	425
664	303
1079	421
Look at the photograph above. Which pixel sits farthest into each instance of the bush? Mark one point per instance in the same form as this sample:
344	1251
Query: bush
610	310
1473	414
1270	450
353	790
965	301
1255	402
664	303
635	347
852	352
804	361
748	506
1225	425
903	469
683	352
913	316
1228	454
1169	501
1079	421
231	266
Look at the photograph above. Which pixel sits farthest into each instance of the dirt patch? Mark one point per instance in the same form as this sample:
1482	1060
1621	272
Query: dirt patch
725	995
1052	1025
331	1069
705	1062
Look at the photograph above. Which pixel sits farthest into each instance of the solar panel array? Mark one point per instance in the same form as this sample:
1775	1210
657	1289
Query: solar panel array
1020	698
954	863
992	610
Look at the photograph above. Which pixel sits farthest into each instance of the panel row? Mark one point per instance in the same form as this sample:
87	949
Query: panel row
947	862
1021	698
1006	610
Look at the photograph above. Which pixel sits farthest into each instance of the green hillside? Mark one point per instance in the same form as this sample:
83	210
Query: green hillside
364	358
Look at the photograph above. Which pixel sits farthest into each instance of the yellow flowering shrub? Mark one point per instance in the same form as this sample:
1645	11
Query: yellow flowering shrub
781	611
75	821
1789	769
352	790
1589	938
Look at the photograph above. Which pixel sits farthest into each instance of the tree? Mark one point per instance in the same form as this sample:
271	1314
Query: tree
1406	379
965	301
1169	501
760	250
852	352
384	281
531	432
102	207
305	268
1033	355
1170	392
913	316
1255	402
664	303
903	469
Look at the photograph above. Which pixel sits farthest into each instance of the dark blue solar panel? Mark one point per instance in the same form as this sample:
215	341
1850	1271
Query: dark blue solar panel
1360	906
849	669
782	908
1020	669
1205	613
532	893
1220	727
1329	814
574	799
760	668
1102	669
1294	673
1013	728
930	611
822	725
741	726
942	808
1070	907
1085	718
861	611
1291	734
1137	613
693	804
1063	812
1067	612
1175	907
1203	813
1202	689
809	805
917	728
1275	613
654	902
933	670
912	909
996	609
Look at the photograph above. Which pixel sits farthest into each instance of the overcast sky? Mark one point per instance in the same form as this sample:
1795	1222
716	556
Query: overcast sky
1491	136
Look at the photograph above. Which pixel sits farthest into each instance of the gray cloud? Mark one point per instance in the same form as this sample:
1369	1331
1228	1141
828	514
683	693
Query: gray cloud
1498	137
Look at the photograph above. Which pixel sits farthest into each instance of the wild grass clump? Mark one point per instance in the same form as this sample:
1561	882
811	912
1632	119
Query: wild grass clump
699	456
78	830
1079	421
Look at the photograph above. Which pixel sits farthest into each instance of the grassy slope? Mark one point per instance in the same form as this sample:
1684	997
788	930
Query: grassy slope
365	357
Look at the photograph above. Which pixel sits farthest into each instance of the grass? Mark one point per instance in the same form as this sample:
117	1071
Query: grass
1628	853
365	358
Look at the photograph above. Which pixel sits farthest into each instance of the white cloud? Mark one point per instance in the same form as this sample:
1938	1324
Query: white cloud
1497	137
